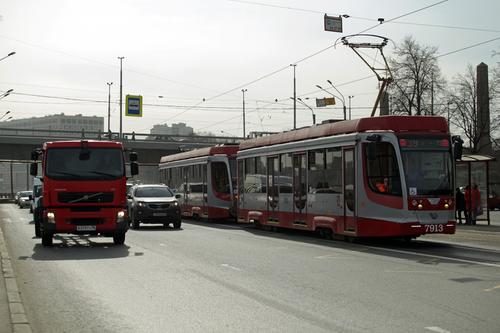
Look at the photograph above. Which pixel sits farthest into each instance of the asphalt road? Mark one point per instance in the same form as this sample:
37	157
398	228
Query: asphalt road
228	278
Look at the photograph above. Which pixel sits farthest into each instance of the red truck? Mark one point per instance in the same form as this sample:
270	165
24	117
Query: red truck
84	189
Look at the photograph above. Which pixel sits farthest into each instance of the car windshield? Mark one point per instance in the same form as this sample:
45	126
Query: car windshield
153	192
84	164
25	194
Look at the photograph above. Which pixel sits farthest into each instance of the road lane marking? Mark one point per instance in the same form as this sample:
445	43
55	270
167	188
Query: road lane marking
411	272
327	256
435	256
491	289
231	267
161	244
437	329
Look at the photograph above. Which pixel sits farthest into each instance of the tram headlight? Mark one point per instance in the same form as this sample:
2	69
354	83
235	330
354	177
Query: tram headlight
446	206
420	206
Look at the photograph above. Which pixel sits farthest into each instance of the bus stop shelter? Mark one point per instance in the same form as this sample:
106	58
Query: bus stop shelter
475	169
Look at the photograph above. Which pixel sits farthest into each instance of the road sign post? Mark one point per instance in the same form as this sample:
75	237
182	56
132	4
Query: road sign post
133	106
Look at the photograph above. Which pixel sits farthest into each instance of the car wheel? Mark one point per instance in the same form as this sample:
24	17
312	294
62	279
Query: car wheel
134	222
177	224
38	233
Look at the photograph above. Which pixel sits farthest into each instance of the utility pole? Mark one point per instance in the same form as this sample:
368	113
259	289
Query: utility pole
294	98
244	132
121	94
109	105
432	93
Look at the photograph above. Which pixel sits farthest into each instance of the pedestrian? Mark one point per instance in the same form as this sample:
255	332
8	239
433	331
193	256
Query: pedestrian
460	206
472	203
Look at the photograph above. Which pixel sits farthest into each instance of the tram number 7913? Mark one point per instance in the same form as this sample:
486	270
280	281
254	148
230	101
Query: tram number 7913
432	228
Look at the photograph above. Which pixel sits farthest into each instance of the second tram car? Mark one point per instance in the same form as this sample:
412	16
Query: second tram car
387	176
205	178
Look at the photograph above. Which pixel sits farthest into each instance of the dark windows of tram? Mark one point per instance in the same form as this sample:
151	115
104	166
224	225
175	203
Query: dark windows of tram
286	173
382	169
325	170
220	178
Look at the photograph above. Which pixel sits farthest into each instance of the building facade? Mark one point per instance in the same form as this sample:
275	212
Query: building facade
58	122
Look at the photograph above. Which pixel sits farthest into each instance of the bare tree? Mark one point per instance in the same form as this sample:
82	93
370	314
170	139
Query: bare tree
417	78
462	106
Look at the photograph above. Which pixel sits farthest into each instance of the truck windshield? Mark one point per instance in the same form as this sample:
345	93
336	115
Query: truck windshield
427	165
84	164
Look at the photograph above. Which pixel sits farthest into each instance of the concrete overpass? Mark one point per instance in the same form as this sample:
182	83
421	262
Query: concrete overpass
18	144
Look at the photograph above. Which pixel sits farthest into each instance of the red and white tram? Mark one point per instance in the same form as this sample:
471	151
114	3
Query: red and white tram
388	176
205	179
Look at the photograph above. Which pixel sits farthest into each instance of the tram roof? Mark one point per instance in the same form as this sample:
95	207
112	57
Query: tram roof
209	151
382	123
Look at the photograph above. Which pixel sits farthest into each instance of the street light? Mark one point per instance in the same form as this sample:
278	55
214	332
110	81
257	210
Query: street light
6	113
8	55
350	106
312	111
121	94
109	106
244	91
341	99
7	93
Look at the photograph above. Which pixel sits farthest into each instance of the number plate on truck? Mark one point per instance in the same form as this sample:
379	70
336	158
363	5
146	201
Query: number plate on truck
85	228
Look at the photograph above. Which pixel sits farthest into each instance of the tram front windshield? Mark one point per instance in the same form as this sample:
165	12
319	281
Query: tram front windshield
427	165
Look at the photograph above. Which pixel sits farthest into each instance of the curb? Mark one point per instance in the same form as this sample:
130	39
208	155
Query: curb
18	319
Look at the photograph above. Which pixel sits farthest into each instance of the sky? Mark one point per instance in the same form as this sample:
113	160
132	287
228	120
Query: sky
190	60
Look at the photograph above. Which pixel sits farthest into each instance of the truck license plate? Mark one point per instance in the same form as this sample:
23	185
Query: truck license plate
85	228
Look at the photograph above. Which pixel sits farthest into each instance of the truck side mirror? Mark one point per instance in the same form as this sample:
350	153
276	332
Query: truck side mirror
134	168
33	169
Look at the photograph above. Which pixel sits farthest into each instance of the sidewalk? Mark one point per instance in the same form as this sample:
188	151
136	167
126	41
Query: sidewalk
12	316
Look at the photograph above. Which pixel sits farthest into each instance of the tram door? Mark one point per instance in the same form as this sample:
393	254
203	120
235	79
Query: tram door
349	190
299	189
272	188
185	188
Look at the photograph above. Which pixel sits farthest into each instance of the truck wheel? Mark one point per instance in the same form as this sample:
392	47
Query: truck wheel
38	233
46	239
119	239
177	224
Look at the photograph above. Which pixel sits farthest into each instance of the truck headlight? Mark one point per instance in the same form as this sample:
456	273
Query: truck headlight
120	216
51	217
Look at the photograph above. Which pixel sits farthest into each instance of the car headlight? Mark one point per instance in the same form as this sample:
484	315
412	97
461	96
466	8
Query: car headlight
141	204
176	203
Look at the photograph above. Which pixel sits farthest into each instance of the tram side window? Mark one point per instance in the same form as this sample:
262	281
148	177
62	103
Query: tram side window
333	172
220	177
196	182
176	179
317	177
261	173
382	169
286	173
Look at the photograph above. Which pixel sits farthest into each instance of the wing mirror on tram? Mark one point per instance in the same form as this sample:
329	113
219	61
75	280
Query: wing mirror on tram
457	146
132	156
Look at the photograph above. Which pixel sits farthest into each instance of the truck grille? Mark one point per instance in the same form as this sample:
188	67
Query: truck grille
85	197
